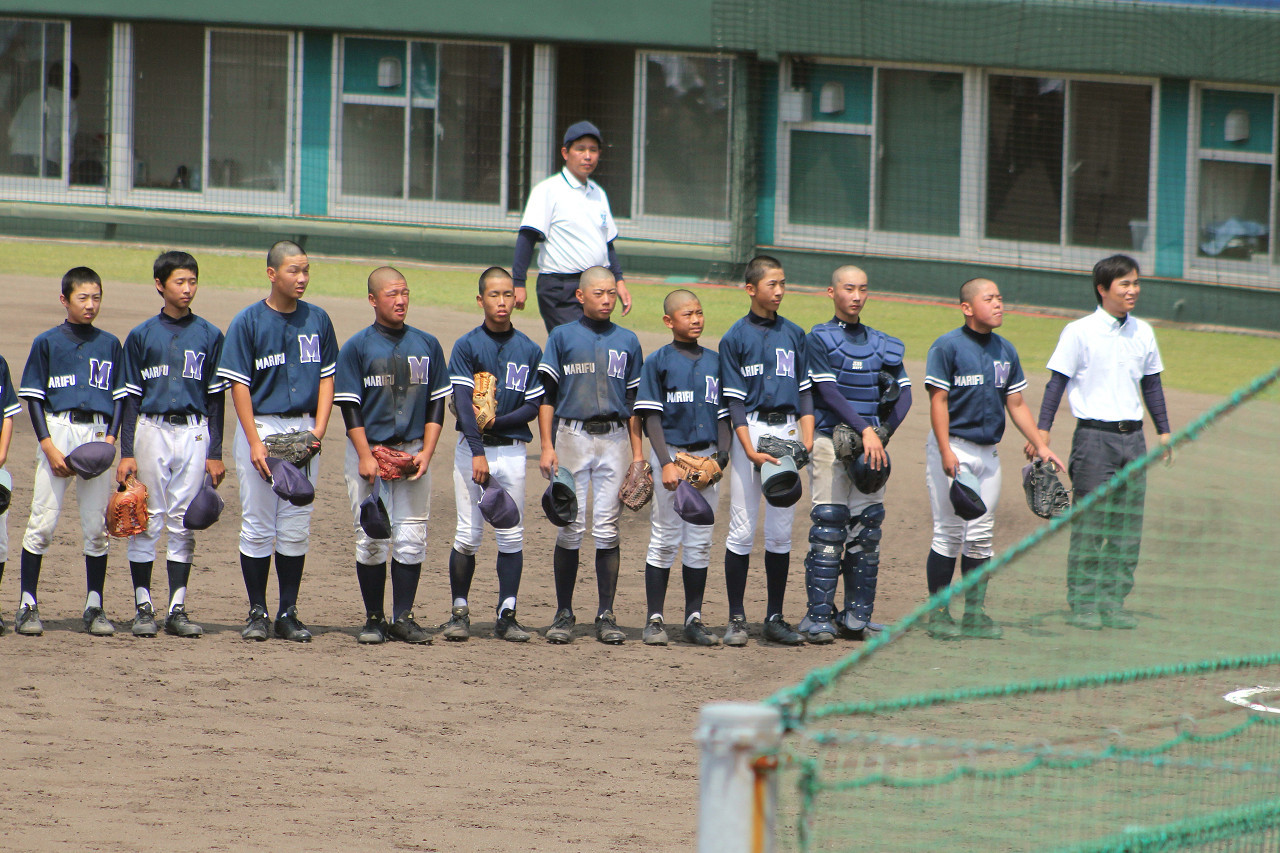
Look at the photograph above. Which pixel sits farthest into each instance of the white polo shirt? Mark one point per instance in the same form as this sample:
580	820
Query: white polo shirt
576	220
1104	360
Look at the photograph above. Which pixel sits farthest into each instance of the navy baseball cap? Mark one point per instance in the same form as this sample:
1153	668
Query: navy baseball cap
373	514
779	480
965	499
290	483
579	130
205	508
560	501
692	506
91	458
498	507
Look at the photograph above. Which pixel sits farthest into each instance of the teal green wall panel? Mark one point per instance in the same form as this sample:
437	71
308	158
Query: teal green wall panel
830	179
768	153
1171	176
857	81
317	97
1215	104
360	60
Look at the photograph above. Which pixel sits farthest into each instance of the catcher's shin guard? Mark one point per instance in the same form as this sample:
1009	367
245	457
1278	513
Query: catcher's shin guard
862	566
822	567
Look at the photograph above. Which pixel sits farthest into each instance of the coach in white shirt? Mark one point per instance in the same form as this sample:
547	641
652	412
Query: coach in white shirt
569	214
1109	365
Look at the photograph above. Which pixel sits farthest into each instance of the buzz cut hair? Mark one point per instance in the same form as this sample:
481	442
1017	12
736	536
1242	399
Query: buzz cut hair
490	274
967	289
594	274
170	262
844	270
1107	270
281	250
381	276
676	299
77	276
758	266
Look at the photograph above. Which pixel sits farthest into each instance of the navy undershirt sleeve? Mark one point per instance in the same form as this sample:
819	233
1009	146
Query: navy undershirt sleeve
128	426
467	420
615	265
526	239
517	417
1153	393
631	397
724	435
216	405
351	416
806	403
657	437
836	402
36	410
1052	399
900	408
435	412
550	391
117	412
737	412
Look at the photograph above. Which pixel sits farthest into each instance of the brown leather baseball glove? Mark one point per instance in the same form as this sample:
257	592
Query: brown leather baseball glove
700	471
637	486
127	509
393	464
484	399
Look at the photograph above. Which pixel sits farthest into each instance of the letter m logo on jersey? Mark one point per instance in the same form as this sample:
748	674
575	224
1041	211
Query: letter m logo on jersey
617	364
100	374
786	362
1001	369
309	349
517	376
713	390
192	364
419	367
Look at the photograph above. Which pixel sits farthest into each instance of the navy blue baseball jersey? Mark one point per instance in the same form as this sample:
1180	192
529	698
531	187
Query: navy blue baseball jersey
392	375
593	369
852	356
512	358
762	363
73	366
280	357
171	364
9	405
686	391
977	371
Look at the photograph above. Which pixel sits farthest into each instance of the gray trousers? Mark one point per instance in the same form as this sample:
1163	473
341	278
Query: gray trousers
1105	542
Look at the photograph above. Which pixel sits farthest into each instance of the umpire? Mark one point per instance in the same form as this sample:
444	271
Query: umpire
569	214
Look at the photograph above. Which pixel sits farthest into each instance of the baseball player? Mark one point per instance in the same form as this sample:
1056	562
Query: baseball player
973	376
679	401
590	374
392	382
846	360
764	380
1108	364
498	451
569	214
69	385
279	359
171	434
9	408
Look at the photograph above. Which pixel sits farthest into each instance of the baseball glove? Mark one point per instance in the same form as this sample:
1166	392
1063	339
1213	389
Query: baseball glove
637	486
847	441
393	464
700	471
297	446
1046	495
777	447
127	509
484	399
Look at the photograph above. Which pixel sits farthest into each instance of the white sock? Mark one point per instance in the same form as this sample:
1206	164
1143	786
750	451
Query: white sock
27	599
142	595
459	602
653	616
92	600
694	615
508	603
179	598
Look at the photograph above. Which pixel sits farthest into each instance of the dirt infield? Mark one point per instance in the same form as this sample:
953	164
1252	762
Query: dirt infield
219	744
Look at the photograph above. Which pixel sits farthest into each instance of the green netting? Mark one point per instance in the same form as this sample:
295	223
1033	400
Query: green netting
1057	737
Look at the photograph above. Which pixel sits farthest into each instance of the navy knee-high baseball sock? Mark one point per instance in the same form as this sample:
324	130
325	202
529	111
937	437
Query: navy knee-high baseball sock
289	576
776	568
938	570
95	578
607	561
140	573
179	574
655	587
462	569
735	581
373	585
510	567
695	586
404	587
564	566
255	571
968	564
29	572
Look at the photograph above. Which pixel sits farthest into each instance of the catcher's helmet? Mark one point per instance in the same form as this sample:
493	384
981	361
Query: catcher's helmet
869	480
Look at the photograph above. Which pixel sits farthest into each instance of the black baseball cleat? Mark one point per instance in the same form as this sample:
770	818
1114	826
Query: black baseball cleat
27	622
777	630
940	625
458	627
695	632
97	623
4	629
374	631
144	621
655	634
1086	619
607	630
406	630
179	625
561	631
736	633
981	626
1117	617
507	628
257	626
289	627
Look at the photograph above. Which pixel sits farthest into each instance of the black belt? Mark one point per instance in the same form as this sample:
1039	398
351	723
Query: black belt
773	417
175	420
601	426
289	414
497	441
1110	426
83	416
694	448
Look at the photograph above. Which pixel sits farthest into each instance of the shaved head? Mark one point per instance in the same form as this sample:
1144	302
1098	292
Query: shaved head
383	276
281	250
846	272
594	276
677	298
493	274
970	288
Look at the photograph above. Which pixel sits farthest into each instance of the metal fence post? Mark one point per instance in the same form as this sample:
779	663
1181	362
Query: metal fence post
738	795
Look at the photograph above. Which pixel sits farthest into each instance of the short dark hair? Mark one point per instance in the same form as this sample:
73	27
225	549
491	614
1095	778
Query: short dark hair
168	262
758	266
491	273
281	250
77	276
1108	270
